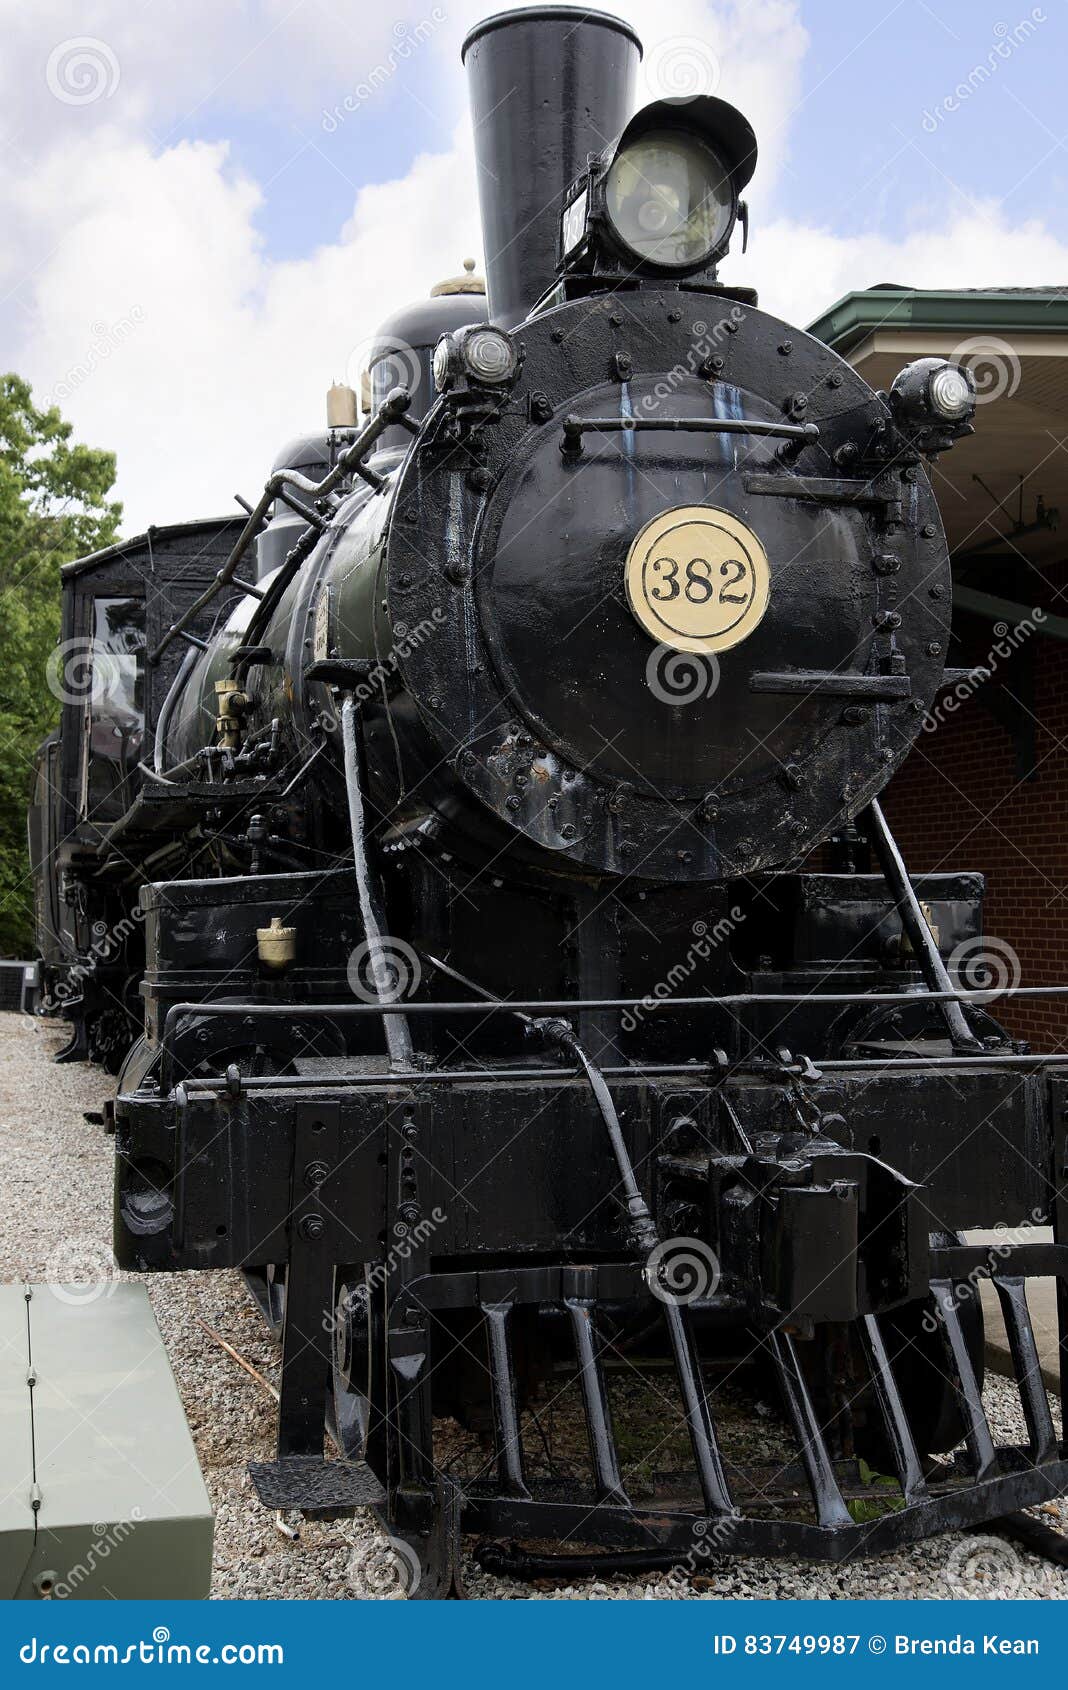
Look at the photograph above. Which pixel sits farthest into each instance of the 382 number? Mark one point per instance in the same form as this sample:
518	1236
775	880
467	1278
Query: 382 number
698	585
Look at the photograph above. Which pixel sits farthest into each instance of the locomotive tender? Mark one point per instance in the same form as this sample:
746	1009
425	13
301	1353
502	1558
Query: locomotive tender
540	1011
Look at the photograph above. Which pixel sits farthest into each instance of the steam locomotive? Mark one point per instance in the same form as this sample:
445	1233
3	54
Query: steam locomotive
535	1004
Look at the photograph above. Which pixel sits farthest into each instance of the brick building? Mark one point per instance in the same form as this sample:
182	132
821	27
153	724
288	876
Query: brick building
986	786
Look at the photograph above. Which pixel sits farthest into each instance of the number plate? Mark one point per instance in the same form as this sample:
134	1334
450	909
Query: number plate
697	579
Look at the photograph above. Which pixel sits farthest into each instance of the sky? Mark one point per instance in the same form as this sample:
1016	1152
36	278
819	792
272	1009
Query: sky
207	206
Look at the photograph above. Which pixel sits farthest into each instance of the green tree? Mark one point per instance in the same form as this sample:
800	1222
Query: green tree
53	507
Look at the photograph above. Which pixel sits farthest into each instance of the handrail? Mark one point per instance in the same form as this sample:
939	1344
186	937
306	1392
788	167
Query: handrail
392	410
575	427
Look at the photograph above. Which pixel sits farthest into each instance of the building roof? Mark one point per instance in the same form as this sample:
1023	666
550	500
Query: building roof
156	534
999	488
997	310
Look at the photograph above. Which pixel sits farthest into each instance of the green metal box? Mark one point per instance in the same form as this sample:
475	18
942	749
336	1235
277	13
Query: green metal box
101	1493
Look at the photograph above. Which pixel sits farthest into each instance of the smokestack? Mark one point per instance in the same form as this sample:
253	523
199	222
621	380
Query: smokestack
548	86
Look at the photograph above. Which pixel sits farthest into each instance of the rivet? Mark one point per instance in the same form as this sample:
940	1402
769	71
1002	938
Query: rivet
929	530
934	649
674	316
785	348
937	592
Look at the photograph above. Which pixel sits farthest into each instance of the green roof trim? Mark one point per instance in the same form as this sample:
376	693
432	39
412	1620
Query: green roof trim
967	311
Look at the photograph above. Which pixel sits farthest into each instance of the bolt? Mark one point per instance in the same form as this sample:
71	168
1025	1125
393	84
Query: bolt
785	348
616	320
835	380
557	335
315	1173
937	592
621	363
929	530
568	830
934	649
791	775
674	316
479	479
312	1227
512	802
410	1212
886	563
886	619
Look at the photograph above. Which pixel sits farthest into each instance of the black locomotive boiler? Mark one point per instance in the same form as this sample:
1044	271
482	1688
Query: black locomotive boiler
543	1014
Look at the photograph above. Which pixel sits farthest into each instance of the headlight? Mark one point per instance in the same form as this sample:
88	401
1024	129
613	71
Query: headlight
488	354
443	363
669	198
485	355
951	393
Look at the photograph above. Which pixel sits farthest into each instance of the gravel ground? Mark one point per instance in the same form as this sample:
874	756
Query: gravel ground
55	1224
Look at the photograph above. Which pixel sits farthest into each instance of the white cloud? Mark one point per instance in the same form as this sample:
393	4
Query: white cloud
137	284
801	271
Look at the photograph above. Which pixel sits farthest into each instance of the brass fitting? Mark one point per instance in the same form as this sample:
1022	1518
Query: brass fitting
231	704
276	945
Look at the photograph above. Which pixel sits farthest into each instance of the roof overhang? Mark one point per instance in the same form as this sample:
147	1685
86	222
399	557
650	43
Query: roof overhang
1016	344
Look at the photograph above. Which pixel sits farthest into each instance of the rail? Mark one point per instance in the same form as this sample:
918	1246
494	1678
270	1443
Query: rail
575	427
391	411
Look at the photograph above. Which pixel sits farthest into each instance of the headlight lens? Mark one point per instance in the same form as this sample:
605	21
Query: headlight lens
442	363
951	393
669	198
488	355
